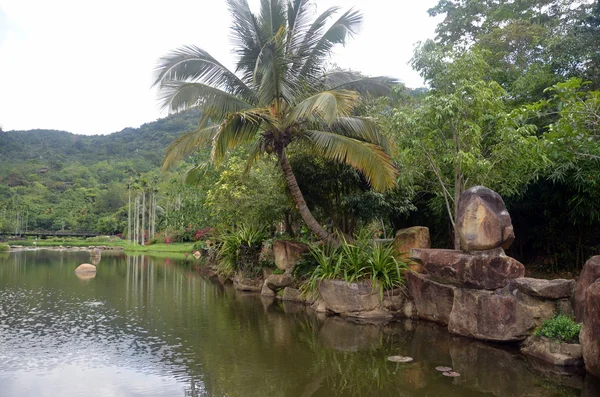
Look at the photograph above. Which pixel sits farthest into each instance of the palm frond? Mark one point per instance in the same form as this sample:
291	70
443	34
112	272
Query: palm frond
363	129
270	72
272	17
188	143
298	22
327	105
179	95
254	153
365	157
191	63
193	175
345	26
301	48
247	36
237	129
348	80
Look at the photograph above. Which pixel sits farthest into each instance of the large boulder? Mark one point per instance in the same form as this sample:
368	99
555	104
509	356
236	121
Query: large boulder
589	275
412	237
482	220
287	253
292	295
549	289
496	316
242	283
278	281
590	331
553	352
85	268
485	270
349	298
433	301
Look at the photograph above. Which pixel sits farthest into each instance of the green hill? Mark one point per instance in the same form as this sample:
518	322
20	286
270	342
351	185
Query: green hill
54	179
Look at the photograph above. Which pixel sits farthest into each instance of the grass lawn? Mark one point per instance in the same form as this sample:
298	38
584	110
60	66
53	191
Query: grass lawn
80	242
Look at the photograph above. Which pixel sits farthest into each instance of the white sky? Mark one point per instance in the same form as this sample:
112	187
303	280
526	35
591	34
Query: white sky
86	66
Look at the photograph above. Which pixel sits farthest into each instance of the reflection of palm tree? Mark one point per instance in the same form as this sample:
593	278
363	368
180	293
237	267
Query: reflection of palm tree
281	95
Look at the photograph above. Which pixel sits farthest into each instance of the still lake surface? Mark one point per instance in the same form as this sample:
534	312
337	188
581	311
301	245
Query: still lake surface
146	326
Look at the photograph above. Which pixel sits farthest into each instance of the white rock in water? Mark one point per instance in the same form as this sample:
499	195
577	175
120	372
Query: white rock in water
85	268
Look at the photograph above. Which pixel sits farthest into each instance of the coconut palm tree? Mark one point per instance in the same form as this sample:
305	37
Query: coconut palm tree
280	94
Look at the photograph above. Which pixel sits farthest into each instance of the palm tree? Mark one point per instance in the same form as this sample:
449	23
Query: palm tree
280	94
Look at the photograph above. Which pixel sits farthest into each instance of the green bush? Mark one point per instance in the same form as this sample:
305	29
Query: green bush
361	260
561	328
240	250
4	247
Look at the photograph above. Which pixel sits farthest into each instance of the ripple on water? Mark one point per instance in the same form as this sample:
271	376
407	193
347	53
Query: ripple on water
46	330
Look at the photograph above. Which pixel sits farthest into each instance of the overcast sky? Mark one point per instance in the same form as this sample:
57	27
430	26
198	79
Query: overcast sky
86	66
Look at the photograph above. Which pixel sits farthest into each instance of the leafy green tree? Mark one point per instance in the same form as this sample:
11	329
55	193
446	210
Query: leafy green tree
572	143
461	133
529	45
279	94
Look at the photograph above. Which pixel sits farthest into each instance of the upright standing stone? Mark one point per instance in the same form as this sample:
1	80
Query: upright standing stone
482	220
589	275
590	332
287	253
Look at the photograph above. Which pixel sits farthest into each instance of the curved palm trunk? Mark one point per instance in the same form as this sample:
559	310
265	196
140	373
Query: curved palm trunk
307	216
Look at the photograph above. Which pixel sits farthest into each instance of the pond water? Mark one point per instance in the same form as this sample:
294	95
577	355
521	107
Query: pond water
147	326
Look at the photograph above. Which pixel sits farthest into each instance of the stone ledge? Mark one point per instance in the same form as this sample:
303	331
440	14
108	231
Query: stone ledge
553	352
549	289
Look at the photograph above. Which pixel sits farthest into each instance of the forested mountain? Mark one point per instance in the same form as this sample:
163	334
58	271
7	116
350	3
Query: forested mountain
54	179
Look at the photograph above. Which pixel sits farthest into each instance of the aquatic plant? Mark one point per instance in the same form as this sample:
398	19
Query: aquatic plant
561	328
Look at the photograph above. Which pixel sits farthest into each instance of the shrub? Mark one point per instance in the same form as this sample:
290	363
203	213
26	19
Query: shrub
278	271
4	247
561	328
240	250
361	260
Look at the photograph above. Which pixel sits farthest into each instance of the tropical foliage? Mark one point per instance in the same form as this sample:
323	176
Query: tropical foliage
360	260
280	94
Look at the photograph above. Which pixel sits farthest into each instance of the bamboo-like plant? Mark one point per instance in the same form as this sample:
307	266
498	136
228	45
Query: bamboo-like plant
280	94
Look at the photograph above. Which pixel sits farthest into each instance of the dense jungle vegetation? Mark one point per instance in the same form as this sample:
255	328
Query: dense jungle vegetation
512	101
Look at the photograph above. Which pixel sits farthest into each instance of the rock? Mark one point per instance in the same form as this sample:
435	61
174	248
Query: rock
590	331
565	306
95	252
485	270
589	274
549	289
85	268
553	352
266	291
278	281
242	283
394	300
292	295
433	301
412	237
287	253
343	297
482	220
319	306
496	316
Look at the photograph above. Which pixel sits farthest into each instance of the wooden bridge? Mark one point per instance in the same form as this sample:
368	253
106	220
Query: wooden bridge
55	233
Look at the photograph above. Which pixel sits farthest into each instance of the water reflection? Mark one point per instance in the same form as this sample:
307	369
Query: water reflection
150	326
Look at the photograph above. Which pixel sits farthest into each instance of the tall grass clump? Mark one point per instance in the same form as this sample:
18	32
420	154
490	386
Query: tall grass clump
239	251
359	260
